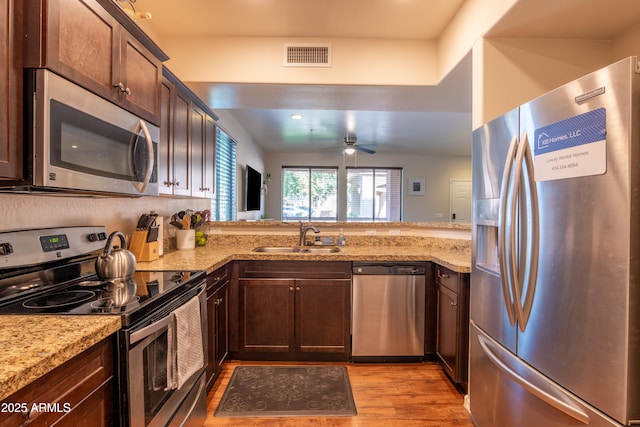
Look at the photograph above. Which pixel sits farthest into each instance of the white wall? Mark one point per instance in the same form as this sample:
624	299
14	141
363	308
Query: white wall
20	211
509	72
436	171
247	153
260	59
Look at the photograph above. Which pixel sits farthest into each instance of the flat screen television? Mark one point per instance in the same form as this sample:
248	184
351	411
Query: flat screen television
252	187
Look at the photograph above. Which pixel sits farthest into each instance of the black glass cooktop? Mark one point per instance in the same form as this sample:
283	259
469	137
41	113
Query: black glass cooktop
76	289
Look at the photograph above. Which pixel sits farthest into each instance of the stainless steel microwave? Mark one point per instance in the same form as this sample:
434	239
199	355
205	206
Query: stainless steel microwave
84	143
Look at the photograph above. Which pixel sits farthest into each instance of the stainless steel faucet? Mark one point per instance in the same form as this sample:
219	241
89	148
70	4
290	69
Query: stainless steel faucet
303	233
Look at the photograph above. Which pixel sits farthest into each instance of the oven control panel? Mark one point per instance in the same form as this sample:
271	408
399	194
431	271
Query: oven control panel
35	246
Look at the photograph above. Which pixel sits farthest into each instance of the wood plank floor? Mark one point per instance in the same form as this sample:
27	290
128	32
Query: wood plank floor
407	395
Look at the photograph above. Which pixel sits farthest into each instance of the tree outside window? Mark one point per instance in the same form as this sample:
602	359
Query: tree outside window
309	194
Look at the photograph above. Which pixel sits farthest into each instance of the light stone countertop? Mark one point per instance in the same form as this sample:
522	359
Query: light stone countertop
31	346
211	257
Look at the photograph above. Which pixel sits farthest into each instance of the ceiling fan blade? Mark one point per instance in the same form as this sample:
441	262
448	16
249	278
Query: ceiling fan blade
364	150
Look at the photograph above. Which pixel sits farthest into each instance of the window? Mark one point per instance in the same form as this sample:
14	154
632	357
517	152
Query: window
309	194
223	206
374	194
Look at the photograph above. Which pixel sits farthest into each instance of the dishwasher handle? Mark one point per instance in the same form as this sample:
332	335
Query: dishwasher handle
389	269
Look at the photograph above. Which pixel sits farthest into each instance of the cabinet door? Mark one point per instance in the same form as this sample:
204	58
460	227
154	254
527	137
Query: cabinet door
11	89
323	315
221	326
181	147
165	145
448	330
81	43
140	74
85	383
211	339
197	151
267	310
209	157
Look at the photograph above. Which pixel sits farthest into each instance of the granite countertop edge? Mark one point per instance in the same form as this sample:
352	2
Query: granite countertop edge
33	345
209	258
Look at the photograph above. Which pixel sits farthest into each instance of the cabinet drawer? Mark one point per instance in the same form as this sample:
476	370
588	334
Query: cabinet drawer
448	278
218	277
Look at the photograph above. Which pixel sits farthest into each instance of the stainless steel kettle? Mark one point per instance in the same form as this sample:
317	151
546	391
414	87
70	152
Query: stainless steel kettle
116	262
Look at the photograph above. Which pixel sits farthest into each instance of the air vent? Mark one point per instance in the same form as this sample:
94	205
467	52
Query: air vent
307	55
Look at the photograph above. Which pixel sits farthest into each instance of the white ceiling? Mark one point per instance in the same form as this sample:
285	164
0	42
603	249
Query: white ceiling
432	120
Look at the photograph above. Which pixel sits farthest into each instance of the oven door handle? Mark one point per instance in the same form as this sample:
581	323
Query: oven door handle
151	329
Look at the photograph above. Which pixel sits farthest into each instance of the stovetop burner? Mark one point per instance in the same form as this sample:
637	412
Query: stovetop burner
42	276
60	299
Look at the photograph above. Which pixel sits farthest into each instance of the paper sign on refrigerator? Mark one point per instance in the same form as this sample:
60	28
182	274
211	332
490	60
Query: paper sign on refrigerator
571	148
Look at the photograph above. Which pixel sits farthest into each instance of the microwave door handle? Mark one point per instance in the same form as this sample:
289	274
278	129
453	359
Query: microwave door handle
505	271
142	186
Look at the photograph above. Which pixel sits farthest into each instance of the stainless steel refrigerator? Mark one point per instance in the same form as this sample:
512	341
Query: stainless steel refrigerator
555	283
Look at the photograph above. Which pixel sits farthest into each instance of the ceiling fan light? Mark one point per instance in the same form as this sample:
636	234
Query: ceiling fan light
349	150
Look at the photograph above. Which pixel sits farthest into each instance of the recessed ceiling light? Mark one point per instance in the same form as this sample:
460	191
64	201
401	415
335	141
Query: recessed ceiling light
296	116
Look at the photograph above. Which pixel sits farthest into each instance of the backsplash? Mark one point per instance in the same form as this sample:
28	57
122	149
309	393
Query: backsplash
22	211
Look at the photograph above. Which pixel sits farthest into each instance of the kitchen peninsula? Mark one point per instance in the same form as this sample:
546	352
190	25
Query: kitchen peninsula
441	243
448	244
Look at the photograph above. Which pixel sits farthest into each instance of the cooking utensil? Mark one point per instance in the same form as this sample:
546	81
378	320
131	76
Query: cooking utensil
186	221
152	235
116	262
141	222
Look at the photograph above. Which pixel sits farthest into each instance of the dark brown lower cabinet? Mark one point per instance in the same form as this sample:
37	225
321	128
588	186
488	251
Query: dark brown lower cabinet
79	392
217	320
452	343
297	317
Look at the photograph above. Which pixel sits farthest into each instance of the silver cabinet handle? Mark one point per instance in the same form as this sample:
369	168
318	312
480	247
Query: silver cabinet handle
442	275
122	89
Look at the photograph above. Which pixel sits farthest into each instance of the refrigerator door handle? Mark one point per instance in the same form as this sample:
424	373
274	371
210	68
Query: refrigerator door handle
560	401
533	238
518	206
506	273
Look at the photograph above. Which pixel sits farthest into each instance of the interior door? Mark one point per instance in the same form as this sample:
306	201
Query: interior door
460	197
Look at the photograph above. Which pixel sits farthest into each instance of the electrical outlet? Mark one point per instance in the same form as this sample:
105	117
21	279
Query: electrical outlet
439	215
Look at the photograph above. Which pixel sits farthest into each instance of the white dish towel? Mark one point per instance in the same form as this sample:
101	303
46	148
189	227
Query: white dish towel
185	341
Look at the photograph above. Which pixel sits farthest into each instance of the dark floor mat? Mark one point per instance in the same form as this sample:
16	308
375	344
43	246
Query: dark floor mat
286	391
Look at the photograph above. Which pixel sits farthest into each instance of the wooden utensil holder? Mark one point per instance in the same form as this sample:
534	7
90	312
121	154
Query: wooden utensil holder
143	250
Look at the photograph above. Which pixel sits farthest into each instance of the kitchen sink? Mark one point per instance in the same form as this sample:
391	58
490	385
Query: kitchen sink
298	249
283	249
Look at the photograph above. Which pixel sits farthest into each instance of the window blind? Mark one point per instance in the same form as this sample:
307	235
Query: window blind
225	202
374	194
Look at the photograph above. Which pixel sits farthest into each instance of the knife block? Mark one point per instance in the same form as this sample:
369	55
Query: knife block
143	250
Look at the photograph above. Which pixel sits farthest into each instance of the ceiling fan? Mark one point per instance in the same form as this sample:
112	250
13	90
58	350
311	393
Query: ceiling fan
350	141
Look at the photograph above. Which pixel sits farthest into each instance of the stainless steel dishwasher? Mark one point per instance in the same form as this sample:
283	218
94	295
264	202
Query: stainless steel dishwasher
388	311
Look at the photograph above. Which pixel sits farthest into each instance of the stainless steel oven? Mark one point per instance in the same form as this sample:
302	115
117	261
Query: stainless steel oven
150	350
52	271
81	142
